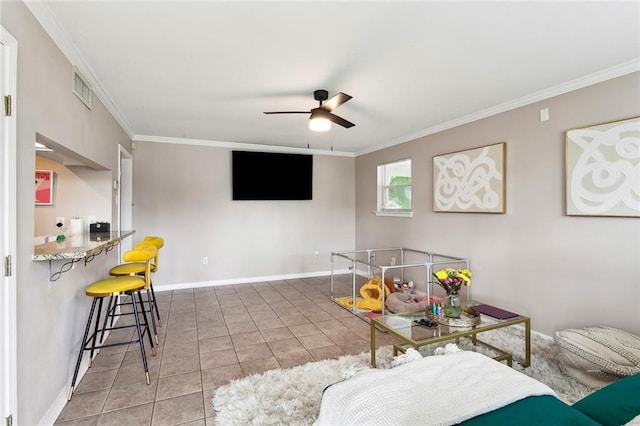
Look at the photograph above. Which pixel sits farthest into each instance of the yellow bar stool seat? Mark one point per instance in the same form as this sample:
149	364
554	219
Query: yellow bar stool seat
132	285
127	269
113	287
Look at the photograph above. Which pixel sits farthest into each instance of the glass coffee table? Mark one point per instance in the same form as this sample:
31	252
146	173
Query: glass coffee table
410	334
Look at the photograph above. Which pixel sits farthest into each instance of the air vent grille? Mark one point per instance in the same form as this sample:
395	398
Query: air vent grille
81	89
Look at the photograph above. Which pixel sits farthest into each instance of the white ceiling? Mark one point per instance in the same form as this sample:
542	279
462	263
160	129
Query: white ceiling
183	71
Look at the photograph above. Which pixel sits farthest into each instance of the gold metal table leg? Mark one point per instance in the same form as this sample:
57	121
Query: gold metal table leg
527	342
373	345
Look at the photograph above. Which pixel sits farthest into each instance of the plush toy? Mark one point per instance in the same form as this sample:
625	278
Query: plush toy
371	293
390	284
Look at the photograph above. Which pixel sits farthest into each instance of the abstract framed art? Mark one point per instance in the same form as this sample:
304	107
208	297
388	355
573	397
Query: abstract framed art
603	169
44	187
470	181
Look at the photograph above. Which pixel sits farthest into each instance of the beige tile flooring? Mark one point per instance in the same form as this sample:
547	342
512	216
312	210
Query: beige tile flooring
210	336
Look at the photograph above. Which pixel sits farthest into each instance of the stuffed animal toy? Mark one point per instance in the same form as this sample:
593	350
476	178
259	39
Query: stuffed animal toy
371	293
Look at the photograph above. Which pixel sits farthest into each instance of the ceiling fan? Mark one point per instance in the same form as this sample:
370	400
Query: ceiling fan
320	118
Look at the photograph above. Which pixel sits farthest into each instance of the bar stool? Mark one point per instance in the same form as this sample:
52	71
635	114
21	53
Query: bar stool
133	267
138	268
112	287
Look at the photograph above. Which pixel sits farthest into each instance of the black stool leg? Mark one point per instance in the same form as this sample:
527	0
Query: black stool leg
153	318
140	335
115	306
82	346
146	322
151	302
155	303
111	311
95	332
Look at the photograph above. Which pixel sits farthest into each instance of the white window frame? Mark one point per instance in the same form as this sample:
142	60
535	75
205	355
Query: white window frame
382	191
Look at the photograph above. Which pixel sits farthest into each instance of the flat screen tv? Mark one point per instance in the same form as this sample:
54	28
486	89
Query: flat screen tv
271	176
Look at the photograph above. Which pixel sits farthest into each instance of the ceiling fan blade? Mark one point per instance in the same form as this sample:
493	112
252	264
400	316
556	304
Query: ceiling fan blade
287	112
339	120
335	101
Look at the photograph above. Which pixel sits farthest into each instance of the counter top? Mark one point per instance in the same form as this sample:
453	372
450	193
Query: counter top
78	246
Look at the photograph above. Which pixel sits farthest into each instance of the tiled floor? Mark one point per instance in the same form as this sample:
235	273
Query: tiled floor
209	337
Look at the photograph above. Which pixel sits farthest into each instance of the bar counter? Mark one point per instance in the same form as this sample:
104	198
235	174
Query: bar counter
79	246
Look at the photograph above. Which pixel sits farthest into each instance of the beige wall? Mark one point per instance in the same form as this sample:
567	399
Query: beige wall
183	193
561	271
51	316
78	192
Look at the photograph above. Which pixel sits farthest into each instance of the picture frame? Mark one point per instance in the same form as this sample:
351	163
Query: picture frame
44	187
471	181
602	168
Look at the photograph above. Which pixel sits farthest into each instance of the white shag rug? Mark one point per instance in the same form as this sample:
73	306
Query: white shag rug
292	396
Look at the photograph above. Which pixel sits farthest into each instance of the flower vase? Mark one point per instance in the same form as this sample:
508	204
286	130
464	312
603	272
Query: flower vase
452	306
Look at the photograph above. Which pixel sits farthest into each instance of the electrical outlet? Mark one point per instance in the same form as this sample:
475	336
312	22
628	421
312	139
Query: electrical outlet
60	220
205	260
316	253
544	114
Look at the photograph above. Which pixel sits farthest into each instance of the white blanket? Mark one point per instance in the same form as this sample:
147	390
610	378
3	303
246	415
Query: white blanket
633	422
435	390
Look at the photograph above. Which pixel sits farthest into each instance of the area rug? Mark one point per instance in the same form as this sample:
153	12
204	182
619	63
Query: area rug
292	396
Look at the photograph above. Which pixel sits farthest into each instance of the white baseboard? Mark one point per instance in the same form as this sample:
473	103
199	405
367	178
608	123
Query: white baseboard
59	403
54	410
245	280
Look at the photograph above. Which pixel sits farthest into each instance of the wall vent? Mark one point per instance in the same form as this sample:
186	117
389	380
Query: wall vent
81	89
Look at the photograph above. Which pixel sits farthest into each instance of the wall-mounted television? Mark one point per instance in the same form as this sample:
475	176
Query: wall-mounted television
271	176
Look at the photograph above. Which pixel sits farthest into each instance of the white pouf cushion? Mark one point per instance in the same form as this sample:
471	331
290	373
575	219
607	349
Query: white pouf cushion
598	355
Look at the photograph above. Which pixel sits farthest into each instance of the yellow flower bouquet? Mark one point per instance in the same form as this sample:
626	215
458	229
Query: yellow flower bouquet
451	280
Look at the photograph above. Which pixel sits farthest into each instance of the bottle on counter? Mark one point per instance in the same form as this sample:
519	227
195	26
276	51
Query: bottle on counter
59	232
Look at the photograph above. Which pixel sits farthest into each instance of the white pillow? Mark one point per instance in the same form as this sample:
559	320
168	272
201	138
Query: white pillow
598	355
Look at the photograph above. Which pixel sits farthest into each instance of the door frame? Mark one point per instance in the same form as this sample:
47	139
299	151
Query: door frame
124	197
8	225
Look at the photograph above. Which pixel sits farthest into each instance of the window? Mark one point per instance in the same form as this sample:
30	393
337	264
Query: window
394	188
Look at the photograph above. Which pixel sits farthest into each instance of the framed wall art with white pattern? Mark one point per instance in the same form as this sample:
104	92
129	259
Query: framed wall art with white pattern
603	169
471	181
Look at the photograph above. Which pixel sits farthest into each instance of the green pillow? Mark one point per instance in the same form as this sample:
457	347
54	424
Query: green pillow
615	404
542	410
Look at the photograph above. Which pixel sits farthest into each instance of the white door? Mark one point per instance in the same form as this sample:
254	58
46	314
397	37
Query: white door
8	339
125	197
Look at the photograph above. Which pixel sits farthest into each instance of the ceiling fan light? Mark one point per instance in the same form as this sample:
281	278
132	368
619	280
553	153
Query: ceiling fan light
319	124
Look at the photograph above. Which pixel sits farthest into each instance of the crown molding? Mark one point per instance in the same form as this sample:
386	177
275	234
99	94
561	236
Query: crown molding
560	89
239	145
43	14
